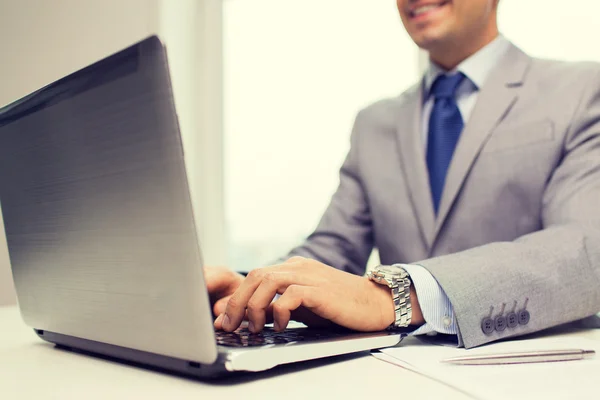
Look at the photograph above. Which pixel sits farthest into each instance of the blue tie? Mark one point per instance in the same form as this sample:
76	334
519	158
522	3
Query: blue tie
445	126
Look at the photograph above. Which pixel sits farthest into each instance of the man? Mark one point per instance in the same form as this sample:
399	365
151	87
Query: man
487	171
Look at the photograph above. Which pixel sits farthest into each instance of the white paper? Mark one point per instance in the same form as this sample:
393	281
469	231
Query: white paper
556	380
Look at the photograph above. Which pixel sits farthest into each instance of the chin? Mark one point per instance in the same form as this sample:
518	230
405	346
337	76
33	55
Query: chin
428	42
431	38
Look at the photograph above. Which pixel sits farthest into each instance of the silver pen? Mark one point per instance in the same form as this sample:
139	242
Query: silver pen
523	357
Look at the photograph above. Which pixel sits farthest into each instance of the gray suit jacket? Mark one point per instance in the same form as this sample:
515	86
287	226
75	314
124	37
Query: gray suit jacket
520	213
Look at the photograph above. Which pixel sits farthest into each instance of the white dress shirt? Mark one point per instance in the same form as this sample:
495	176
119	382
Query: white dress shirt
435	305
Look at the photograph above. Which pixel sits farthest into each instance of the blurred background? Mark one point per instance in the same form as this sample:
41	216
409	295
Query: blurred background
266	91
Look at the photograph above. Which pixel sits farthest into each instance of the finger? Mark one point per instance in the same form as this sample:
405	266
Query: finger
220	305
221	282
293	297
273	283
236	307
215	278
218	324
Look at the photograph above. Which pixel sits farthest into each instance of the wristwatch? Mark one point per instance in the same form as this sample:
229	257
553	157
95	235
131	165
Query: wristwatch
397	279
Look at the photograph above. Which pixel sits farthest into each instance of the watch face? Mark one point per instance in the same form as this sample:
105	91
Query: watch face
389	269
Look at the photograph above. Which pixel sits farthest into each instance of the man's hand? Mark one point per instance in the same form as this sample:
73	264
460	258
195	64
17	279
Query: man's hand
315	291
221	283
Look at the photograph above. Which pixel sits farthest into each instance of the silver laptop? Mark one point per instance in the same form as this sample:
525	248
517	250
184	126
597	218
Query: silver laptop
101	233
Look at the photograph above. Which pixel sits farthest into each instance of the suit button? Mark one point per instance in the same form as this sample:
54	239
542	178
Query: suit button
512	320
487	326
500	323
524	317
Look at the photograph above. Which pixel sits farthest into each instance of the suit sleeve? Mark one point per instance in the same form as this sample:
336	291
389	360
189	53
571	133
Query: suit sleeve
344	237
555	272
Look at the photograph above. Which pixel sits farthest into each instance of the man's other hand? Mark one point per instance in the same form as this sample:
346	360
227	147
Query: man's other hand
314	291
221	283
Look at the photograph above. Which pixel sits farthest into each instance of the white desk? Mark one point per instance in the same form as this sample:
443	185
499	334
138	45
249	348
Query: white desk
33	369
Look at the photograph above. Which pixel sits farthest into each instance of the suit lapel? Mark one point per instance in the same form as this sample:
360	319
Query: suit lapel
495	100
412	156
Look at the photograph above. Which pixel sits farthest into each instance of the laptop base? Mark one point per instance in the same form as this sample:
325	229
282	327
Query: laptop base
136	357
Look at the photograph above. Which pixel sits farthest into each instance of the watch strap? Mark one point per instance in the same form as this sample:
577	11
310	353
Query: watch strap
398	280
402	305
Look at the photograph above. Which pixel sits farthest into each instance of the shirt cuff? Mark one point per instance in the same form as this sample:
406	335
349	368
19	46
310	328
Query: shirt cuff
435	305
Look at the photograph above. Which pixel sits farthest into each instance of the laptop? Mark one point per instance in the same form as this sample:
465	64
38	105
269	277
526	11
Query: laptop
101	233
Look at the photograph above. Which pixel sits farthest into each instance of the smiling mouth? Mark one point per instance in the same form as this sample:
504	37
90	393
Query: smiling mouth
422	10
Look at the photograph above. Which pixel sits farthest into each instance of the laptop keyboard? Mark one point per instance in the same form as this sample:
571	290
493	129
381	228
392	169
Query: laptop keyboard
244	338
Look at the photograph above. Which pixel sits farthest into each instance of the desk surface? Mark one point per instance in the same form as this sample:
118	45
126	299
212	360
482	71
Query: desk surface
31	368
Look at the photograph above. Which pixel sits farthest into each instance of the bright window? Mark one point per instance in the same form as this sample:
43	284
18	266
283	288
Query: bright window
553	29
296	74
